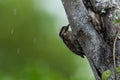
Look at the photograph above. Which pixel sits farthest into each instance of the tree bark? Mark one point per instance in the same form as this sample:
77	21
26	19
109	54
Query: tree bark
96	40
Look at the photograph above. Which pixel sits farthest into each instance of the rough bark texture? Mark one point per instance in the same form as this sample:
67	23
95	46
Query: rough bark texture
95	39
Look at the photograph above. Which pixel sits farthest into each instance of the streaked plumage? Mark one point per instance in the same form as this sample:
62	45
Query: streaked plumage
70	41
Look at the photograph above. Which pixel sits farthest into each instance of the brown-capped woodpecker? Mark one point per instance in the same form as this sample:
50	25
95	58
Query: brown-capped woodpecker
70	41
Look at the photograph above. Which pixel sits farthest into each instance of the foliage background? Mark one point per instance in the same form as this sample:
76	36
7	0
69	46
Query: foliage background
30	48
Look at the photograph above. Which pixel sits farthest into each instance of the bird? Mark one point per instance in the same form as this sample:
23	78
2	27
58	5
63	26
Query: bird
70	41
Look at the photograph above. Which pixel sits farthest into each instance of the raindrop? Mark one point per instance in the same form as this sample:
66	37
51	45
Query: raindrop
18	50
14	11
12	31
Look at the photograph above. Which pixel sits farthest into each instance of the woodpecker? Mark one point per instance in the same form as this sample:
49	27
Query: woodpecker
70	41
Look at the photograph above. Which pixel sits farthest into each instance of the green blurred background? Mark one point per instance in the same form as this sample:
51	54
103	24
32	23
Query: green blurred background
30	48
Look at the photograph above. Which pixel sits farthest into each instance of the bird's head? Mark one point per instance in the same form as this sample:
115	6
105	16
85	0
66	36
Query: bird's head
63	30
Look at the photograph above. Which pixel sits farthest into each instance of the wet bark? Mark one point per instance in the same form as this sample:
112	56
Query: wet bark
95	38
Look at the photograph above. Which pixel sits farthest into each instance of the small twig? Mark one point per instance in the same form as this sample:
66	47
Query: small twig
114	57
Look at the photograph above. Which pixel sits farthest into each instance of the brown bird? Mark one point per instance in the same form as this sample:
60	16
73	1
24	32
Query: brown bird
70	41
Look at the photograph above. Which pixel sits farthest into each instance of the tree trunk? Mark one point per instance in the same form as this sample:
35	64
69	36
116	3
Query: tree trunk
92	24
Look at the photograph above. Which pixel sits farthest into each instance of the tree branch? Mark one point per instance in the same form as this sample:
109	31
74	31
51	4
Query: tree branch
97	50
